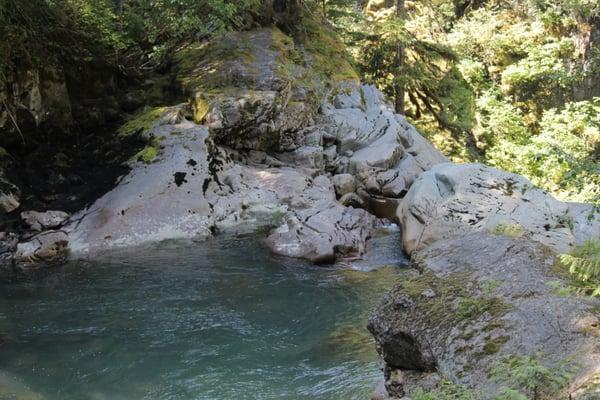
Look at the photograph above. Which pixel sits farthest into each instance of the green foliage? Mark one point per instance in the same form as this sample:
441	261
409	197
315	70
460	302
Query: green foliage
38	32
446	390
138	37
159	26
564	158
330	57
526	378
583	264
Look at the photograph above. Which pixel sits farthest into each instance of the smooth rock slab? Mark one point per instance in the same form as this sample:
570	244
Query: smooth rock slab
455	199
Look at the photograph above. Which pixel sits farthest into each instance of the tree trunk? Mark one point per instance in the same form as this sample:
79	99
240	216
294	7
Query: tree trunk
398	65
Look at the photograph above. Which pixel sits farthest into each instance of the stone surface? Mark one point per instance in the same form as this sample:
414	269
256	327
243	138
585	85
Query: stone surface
195	188
323	234
454	199
260	158
39	221
247	91
46	248
343	184
493	298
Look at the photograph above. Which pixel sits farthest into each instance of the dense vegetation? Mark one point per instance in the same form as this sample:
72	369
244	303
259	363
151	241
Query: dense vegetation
514	84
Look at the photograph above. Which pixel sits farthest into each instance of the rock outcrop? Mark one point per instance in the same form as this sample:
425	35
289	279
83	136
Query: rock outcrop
475	302
454	199
257	146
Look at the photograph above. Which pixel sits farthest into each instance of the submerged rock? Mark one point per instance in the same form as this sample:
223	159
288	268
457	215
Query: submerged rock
475	302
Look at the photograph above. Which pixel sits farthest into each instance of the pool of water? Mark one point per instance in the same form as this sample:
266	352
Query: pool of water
217	320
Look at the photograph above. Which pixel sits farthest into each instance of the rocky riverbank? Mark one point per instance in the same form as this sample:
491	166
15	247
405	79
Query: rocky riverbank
274	137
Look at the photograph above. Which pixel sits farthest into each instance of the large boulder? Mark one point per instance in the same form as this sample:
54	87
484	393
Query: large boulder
365	129
476	304
250	88
454	199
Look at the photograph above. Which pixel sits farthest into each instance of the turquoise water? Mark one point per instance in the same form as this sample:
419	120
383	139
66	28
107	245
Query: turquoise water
216	320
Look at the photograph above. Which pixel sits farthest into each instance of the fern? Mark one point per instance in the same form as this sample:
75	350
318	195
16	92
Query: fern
526	378
583	265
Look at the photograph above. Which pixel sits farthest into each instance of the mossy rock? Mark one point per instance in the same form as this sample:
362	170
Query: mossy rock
141	122
147	155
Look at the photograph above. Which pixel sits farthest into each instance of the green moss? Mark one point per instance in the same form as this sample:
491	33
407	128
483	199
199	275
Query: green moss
512	230
141	122
453	303
147	155
470	308
493	345
201	107
204	66
150	152
330	57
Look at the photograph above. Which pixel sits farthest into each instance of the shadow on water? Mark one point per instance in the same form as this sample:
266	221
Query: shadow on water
216	320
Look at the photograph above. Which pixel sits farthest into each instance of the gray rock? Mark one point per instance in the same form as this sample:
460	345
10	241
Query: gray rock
266	135
493	299
321	235
344	184
451	200
46	248
584	220
250	103
39	221
352	200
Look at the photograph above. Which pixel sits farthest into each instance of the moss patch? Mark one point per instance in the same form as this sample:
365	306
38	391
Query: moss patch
510	230
141	122
453	302
493	345
201	107
203	66
147	155
331	59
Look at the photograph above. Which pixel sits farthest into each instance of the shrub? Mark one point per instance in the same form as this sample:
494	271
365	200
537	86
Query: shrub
583	264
